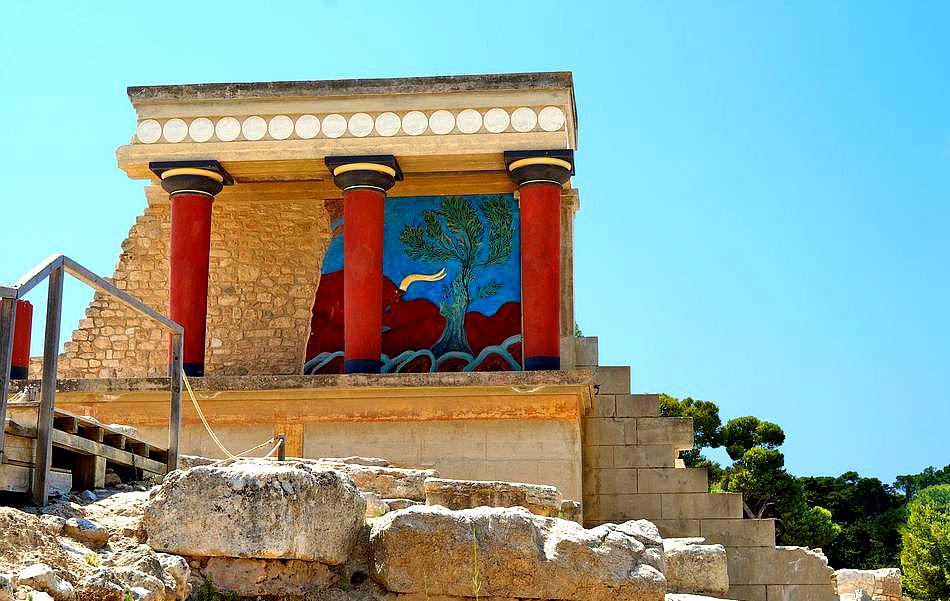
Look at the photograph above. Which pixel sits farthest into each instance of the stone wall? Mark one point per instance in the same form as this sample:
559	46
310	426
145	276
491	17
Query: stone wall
264	271
632	471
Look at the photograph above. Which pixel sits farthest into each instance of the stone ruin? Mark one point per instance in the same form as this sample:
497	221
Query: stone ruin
463	368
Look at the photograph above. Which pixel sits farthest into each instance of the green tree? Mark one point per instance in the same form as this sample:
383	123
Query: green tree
925	556
706	427
455	232
870	514
928	477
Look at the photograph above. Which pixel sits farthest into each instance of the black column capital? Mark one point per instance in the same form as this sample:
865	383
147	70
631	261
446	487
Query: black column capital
196	177
526	167
374	172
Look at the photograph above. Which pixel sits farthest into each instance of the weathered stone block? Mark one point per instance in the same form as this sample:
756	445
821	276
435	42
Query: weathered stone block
638	405
603	431
678	528
798	592
599	457
778	566
676	431
585	351
612	380
611	481
252	577
695	568
680	480
644	456
604	405
468	494
701	505
739	532
520	556
748	592
629	507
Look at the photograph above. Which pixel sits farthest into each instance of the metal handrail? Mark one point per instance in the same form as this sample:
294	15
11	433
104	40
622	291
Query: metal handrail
53	268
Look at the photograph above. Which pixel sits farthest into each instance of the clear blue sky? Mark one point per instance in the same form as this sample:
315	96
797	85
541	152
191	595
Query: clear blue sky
764	186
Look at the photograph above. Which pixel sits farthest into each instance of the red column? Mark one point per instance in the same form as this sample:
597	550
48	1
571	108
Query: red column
192	186
364	181
362	279
22	331
540	177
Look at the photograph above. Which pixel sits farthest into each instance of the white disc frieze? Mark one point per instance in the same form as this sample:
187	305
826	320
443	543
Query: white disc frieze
469	121
254	127
149	131
280	127
334	125
524	119
387	124
551	118
497	120
415	123
201	129
307	126
175	130
441	122
227	129
360	125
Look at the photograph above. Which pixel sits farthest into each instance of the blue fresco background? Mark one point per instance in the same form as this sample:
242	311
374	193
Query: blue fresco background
397	265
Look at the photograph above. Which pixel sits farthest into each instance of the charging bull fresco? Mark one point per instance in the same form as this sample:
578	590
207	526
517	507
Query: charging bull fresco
451	287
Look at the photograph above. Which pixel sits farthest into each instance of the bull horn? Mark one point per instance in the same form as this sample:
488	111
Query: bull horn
421	277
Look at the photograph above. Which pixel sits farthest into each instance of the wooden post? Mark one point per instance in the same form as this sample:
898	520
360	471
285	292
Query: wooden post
44	420
89	471
7	321
174	416
282	449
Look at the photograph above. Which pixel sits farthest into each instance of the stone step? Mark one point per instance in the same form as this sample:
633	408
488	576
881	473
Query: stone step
609	379
739	532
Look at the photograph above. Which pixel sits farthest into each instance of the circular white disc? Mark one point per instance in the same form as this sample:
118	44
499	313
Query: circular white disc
227	129
497	120
149	131
175	130
280	127
551	118
201	129
360	125
387	124
469	121
523	119
414	123
254	127
441	122
334	125
308	126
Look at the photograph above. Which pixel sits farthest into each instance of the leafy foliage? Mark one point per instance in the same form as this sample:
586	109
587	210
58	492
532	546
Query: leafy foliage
925	479
925	557
743	433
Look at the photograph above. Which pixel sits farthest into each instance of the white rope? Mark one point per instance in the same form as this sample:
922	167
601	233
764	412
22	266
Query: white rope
230	456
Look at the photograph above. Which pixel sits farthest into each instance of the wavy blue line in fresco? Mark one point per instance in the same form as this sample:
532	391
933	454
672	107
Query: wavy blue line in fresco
397	363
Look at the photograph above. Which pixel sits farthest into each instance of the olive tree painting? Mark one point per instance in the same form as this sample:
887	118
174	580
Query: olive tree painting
455	232
452	287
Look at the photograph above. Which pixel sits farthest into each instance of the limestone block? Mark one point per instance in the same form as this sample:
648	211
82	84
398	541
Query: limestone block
86	530
739	532
603	431
798	592
387	482
690	597
748	592
695	568
585	351
683	480
676	431
629	507
778	566
468	494
41	577
882	585
612	380
644	455
519	555
679	528
252	577
599	457
604	405
611	481
701	505
256	508
568	353
638	405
